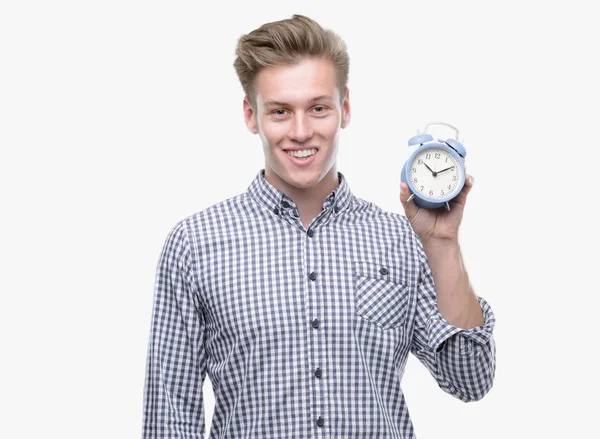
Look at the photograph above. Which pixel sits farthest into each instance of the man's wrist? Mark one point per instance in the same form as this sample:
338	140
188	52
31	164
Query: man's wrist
434	244
444	255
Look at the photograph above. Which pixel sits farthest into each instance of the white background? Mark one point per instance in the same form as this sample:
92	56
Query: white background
119	118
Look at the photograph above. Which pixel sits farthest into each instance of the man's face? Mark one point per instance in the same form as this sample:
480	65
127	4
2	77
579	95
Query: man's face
298	107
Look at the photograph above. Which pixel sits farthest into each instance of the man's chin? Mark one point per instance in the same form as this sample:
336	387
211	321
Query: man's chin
300	179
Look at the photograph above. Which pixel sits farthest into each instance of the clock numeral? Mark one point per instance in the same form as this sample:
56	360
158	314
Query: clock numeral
454	178
430	192
449	187
437	155
422	188
419	161
442	192
446	159
414	169
428	156
415	179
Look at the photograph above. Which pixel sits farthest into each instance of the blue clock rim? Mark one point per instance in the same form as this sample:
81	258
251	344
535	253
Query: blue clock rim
452	152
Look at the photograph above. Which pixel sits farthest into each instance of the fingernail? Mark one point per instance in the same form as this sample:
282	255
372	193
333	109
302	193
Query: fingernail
472	180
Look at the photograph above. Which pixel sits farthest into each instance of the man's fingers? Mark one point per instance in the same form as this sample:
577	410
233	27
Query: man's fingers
470	181
410	208
461	198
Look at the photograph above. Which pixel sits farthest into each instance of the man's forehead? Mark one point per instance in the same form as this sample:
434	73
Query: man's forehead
290	100
298	84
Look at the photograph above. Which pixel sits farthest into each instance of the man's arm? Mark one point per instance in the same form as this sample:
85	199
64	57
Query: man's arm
176	360
453	327
457	348
457	302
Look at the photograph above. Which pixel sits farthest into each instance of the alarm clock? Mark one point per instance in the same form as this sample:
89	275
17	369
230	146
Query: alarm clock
435	171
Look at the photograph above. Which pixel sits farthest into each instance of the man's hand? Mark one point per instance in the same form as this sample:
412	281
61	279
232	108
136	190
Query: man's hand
436	225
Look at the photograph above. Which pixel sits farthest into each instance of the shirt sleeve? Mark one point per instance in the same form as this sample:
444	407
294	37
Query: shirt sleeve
463	361
176	360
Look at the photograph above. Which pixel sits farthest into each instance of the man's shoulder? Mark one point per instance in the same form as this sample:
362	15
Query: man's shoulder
211	220
384	216
216	215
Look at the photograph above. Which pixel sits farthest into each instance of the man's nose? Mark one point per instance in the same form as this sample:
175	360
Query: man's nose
301	129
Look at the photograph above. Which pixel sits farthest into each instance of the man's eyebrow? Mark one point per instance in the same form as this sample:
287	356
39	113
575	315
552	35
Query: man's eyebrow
271	102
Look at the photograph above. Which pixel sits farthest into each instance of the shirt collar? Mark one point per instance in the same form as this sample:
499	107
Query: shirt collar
265	193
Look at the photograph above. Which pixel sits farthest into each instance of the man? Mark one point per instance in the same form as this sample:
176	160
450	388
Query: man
300	300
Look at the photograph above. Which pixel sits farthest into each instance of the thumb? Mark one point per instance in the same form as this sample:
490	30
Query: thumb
410	208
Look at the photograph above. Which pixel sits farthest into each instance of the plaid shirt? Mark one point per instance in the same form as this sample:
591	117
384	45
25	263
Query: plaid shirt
304	333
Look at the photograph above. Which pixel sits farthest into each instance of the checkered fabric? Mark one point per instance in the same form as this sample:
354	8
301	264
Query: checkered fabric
304	333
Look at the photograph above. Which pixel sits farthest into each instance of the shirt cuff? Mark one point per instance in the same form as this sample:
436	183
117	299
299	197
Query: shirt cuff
439	330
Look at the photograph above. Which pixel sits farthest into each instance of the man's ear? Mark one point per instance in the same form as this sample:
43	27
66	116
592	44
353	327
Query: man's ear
250	117
346	109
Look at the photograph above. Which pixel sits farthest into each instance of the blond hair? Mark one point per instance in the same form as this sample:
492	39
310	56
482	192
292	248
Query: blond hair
287	42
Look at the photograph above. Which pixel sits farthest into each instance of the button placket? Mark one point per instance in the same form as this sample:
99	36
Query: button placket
315	307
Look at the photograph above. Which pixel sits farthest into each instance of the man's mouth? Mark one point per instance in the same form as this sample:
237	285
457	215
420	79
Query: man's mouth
303	153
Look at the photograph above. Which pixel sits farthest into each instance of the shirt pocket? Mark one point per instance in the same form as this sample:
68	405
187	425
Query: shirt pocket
381	293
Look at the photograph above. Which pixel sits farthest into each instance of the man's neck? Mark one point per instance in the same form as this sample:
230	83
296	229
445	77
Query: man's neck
309	201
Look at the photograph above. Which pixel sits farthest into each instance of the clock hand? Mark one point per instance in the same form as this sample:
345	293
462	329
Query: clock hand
432	171
439	172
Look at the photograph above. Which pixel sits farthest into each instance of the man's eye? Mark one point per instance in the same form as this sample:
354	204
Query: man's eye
279	112
321	107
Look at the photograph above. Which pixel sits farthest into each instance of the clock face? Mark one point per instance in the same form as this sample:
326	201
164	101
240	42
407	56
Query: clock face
435	173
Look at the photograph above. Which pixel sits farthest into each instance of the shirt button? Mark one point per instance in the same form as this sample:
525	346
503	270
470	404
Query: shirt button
320	421
318	373
285	204
383	270
310	232
315	323
441	347
276	211
312	276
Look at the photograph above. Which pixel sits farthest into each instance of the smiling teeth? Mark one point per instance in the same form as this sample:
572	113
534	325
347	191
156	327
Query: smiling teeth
302	153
